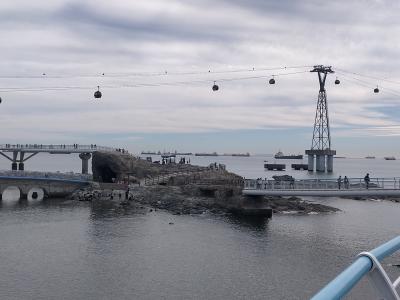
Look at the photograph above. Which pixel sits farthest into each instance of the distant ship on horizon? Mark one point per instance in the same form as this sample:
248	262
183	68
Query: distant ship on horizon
241	154
206	154
149	152
390	158
370	157
280	155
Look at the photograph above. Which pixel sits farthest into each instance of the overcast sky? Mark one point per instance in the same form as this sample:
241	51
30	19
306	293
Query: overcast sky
134	43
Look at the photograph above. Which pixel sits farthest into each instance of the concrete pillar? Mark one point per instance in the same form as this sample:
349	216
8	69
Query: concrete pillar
14	165
320	163
329	163
310	162
21	166
85	162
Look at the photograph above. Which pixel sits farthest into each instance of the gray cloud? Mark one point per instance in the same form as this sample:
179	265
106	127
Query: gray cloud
90	37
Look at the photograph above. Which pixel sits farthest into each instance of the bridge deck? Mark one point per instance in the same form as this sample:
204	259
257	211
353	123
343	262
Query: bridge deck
55	149
323	188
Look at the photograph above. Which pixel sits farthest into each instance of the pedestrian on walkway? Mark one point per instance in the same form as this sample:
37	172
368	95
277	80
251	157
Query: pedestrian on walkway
367	180
346	182
339	182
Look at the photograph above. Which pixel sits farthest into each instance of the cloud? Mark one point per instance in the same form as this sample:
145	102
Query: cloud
69	38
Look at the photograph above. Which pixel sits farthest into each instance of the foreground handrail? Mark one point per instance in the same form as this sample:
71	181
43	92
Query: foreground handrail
367	263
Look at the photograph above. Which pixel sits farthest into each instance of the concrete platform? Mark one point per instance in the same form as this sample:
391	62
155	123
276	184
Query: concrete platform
300	166
278	167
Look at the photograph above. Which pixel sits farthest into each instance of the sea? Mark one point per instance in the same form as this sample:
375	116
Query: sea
59	249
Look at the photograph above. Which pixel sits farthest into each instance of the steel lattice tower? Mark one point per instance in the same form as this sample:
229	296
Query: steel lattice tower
321	141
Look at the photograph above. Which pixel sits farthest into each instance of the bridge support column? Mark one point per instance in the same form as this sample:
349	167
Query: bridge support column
320	163
14	164
329	163
85	162
310	163
21	166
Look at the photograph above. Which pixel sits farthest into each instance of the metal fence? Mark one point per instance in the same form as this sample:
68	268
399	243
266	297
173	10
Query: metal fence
322	184
367	264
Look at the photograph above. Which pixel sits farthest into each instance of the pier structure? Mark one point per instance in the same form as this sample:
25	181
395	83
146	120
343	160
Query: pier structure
19	153
35	186
356	187
321	155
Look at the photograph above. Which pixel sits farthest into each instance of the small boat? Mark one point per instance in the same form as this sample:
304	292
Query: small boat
168	155
280	155
390	158
370	157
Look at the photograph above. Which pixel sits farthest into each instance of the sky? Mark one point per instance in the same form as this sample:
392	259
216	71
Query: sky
160	59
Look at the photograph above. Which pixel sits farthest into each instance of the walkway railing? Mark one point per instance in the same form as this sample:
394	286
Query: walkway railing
55	148
322	184
367	264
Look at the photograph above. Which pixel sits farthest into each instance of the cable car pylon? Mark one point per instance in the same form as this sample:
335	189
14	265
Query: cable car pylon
321	141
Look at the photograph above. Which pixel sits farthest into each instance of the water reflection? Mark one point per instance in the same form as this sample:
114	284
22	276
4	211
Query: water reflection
257	223
103	210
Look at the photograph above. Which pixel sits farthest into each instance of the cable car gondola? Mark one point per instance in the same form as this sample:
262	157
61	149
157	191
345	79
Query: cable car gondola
376	90
272	80
337	81
215	87
97	94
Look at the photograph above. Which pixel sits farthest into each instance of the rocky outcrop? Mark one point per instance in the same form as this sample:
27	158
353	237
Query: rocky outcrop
297	205
197	199
198	190
110	167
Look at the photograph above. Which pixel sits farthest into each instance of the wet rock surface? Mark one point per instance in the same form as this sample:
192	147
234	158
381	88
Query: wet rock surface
297	205
380	198
196	199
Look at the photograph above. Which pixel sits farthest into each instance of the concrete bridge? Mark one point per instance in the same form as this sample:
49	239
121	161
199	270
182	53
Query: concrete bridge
37	188
323	187
22	152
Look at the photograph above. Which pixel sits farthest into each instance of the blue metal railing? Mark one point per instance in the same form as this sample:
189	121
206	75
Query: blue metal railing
364	265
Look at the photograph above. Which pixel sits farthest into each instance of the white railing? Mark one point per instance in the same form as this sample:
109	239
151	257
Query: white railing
322	184
57	147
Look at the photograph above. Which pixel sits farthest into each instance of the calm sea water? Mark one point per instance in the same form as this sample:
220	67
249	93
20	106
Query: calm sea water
63	250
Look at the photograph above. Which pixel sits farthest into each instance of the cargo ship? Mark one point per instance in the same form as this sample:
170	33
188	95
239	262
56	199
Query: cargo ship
390	158
280	155
241	154
206	154
149	152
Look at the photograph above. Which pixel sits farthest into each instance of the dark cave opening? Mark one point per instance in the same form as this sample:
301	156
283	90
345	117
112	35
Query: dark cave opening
106	174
